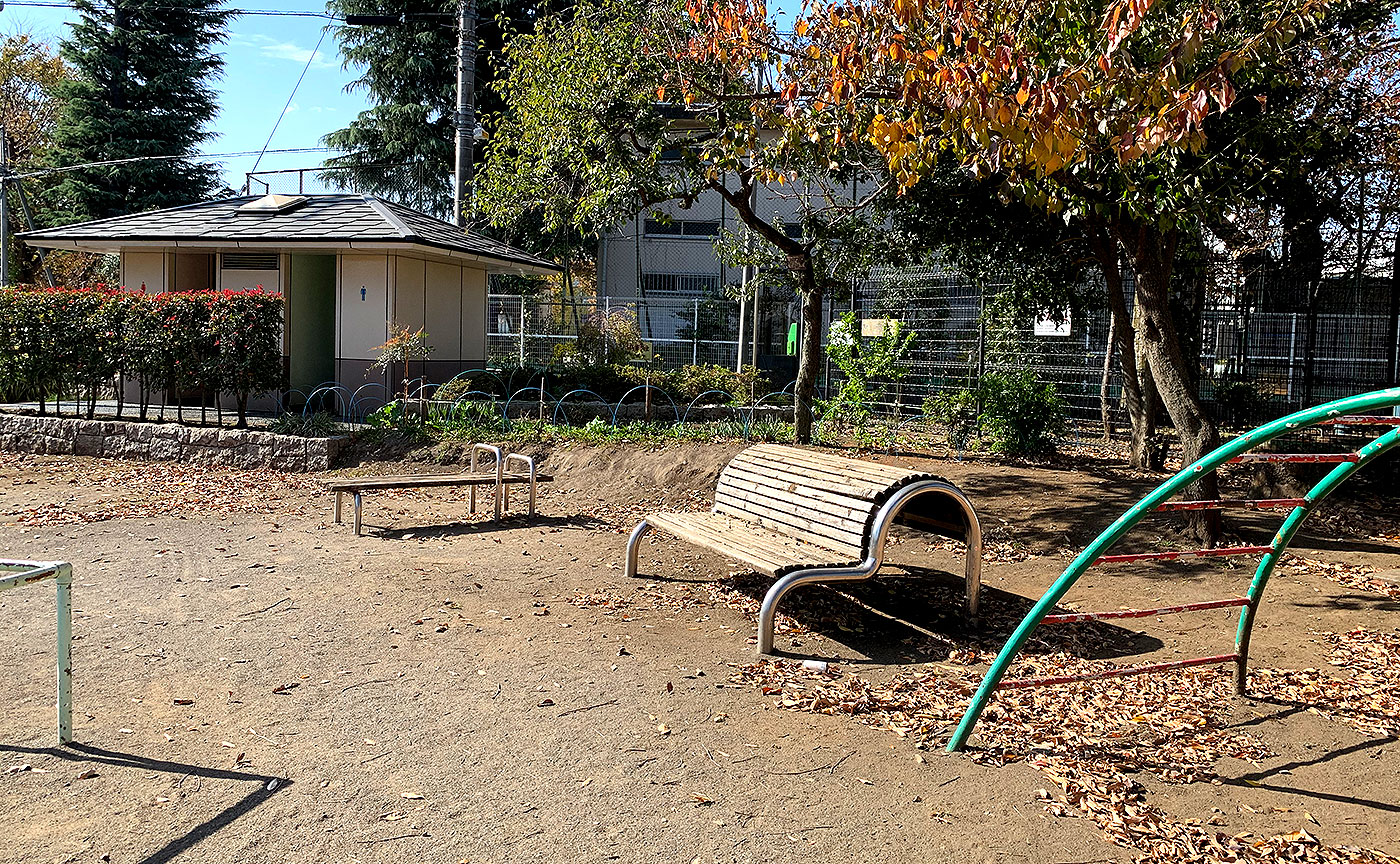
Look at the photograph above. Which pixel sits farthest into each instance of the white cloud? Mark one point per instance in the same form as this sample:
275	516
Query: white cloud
296	53
274	49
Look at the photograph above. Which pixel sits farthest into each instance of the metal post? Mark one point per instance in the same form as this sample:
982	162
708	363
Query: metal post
522	332
466	111
695	336
4	208
29	222
1292	353
1394	342
64	606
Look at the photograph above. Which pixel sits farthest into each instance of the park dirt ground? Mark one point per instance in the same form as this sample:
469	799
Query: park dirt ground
255	683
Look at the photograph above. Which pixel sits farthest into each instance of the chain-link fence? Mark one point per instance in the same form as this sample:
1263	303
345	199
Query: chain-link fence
1261	360
530	331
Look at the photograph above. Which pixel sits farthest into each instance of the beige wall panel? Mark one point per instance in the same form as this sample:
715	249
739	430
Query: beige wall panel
443	310
144	268
408	292
363	304
247	280
474	321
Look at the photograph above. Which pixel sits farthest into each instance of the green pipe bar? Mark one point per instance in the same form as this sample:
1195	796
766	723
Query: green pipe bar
1299	420
16	574
1284	537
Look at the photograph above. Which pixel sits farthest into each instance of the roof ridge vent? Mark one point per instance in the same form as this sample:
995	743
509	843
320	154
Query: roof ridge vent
271	205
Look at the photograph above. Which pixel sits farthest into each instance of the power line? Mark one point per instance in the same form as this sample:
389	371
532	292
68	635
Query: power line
62	169
285	13
288	13
309	60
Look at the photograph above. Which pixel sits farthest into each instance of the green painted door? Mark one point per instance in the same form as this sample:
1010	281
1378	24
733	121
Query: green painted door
311	320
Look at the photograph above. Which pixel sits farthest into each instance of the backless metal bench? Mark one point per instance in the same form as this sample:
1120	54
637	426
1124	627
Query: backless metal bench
804	516
500	479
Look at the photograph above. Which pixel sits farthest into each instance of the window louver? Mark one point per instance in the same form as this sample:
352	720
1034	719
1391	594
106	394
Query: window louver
249	260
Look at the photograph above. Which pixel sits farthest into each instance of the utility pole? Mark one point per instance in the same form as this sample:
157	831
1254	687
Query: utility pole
466	112
465	116
4	208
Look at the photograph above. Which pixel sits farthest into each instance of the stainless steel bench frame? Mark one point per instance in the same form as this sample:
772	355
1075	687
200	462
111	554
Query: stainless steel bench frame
501	489
874	557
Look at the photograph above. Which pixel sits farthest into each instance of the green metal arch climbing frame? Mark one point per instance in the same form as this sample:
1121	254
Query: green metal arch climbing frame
1235	450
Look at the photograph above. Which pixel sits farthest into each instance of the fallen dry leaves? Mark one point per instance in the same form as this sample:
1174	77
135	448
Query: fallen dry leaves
129	490
1090	738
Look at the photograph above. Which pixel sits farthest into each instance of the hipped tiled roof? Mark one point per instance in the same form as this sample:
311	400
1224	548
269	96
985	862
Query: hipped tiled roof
333	219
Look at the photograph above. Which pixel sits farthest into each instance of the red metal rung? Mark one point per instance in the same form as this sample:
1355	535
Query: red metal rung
1196	553
1240	504
1361	420
1119	672
1325	458
1074	617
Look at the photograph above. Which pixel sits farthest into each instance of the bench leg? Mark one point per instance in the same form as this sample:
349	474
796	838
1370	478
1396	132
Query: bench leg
633	542
338	496
769	610
359	509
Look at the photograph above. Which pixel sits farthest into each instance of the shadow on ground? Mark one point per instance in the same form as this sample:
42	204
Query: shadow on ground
916	615
266	786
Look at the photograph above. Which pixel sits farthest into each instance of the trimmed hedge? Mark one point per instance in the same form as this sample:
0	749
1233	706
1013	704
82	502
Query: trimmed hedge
83	343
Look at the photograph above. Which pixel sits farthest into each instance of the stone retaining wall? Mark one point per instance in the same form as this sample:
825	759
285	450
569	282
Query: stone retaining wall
119	439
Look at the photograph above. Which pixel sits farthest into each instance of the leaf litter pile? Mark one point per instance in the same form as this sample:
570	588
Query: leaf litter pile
145	490
1091	738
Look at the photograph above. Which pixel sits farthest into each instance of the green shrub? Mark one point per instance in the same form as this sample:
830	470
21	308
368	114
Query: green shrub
64	342
1240	402
316	425
956	411
1022	414
868	365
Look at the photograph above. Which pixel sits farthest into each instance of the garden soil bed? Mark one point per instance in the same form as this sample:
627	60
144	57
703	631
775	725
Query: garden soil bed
255	683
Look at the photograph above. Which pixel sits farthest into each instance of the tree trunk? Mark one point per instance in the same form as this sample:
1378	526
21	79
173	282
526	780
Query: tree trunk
242	410
1152	252
1144	441
809	352
1141	414
1105	406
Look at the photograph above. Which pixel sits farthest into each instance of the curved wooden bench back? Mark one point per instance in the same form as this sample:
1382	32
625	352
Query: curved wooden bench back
822	499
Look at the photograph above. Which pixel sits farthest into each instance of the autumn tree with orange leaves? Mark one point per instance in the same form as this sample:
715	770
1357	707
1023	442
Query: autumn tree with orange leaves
1097	111
618	107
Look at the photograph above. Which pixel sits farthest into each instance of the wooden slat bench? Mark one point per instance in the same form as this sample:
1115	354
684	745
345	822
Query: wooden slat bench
500	479
803	516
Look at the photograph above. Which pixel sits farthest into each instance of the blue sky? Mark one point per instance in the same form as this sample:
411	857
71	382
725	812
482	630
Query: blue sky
263	58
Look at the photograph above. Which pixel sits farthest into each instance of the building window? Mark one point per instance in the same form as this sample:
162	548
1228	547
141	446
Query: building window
681	228
685	285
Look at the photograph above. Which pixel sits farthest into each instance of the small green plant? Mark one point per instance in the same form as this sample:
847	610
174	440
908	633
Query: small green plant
402	346
1240	402
317	425
868	365
604	338
396	416
1022	414
956	411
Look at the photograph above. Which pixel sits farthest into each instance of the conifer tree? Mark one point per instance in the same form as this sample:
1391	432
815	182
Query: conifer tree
402	146
141	86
